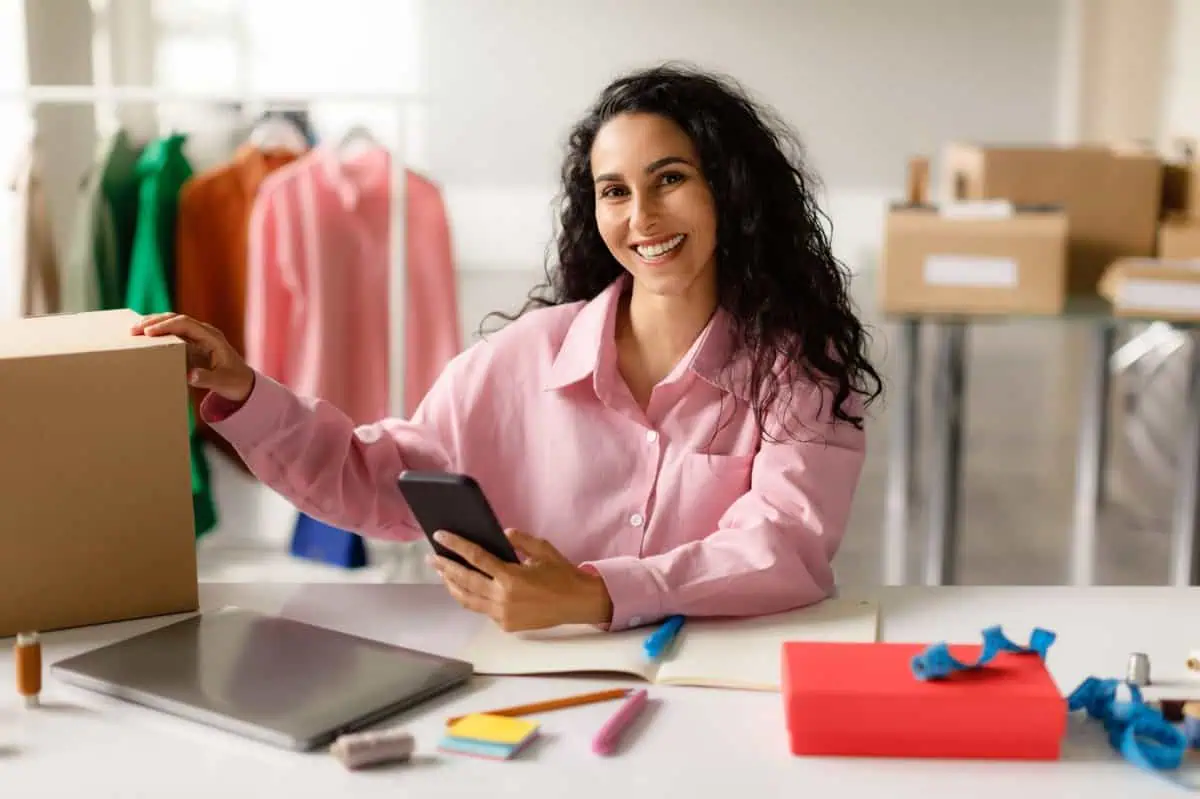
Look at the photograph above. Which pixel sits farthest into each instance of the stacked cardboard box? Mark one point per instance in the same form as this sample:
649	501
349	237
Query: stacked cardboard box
1166	287
1072	212
1154	288
1179	236
1179	240
1181	184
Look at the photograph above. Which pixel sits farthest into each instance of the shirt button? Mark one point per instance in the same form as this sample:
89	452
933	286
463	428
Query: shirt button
636	520
652	436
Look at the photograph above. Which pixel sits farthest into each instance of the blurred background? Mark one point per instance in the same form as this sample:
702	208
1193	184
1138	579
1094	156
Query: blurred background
476	96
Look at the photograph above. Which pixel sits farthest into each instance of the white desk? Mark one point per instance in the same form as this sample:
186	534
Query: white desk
699	743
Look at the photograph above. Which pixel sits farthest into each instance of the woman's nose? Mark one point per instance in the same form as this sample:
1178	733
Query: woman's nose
645	214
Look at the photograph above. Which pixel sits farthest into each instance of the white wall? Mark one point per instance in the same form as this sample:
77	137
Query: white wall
1123	64
865	82
1181	112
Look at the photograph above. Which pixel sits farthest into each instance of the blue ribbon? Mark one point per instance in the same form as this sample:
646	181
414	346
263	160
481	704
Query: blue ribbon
1136	730
936	662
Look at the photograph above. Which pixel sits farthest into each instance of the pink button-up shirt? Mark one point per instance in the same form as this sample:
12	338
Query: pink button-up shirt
317	282
673	519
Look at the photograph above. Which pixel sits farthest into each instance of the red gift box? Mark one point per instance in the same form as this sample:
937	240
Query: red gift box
863	700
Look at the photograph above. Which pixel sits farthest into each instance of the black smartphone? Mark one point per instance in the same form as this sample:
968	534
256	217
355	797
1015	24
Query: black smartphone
455	503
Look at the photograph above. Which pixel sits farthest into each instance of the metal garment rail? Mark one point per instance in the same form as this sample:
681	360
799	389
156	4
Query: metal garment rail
398	233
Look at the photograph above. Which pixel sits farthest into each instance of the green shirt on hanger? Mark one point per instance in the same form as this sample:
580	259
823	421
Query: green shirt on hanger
162	170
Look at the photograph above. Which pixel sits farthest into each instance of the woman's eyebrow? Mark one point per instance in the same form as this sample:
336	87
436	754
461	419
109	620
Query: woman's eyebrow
652	167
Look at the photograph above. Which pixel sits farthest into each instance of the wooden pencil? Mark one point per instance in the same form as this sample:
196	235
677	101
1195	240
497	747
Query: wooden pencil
553	704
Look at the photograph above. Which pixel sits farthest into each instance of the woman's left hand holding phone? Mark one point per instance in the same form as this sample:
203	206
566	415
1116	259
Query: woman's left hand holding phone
544	590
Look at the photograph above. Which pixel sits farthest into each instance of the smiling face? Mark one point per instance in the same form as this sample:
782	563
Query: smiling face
654	208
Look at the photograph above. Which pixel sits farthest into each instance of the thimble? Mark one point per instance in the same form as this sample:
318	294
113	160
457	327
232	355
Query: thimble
1138	671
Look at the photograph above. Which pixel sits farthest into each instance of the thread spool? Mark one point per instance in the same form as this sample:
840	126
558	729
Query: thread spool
1138	670
1172	710
28	656
1191	723
359	750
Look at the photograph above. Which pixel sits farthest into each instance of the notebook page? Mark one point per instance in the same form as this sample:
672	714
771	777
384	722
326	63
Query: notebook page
747	653
559	650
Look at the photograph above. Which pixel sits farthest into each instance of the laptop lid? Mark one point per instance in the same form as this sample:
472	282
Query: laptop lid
280	681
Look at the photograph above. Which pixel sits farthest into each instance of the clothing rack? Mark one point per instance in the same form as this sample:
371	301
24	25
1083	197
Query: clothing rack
402	102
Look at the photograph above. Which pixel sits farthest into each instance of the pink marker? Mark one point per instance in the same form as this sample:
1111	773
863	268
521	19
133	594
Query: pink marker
605	742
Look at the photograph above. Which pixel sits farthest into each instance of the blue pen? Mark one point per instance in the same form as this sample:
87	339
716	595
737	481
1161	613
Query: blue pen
660	639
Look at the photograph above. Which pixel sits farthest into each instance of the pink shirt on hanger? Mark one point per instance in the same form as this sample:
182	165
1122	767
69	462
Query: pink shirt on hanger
673	519
317	282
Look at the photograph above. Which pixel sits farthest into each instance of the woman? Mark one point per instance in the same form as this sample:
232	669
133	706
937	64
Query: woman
673	425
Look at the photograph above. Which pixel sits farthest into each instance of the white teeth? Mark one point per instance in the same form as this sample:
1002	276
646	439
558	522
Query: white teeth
656	250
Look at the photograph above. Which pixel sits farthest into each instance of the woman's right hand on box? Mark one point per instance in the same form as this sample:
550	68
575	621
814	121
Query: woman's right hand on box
213	363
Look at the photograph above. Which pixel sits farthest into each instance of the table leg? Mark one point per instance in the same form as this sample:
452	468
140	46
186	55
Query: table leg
897	512
1185	554
1091	457
949	380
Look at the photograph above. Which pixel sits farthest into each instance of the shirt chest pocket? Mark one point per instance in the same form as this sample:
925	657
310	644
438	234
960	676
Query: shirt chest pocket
708	485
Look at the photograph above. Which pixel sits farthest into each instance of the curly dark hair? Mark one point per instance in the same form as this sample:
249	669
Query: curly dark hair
776	274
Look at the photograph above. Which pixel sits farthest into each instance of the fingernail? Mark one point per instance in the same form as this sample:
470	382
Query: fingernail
440	536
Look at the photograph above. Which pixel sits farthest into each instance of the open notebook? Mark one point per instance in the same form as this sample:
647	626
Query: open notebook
720	653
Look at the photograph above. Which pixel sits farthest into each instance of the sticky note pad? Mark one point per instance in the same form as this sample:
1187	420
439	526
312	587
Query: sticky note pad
492	729
483	749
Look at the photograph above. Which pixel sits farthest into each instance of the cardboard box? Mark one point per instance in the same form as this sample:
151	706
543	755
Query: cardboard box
862	700
1181	182
1181	191
1179	240
95	480
1153	288
937	264
1113	199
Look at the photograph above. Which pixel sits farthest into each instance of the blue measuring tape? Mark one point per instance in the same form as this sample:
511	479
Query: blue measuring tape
936	662
1136	730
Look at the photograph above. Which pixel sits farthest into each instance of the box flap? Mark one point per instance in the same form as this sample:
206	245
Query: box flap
58	334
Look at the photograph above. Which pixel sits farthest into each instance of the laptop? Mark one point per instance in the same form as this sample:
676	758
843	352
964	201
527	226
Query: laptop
279	681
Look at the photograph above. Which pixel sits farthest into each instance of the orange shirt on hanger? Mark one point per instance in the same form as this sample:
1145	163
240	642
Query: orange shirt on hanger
211	250
212	241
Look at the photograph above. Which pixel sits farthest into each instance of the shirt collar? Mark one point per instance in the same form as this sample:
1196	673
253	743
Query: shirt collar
254	164
355	177
589	347
160	152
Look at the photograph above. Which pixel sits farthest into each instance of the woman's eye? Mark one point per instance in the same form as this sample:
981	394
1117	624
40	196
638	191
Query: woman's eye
672	177
612	191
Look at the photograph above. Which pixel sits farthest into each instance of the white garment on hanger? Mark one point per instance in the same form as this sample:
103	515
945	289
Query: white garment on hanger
32	287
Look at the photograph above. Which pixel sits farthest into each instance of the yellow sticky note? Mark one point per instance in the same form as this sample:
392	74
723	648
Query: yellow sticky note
494	729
